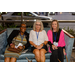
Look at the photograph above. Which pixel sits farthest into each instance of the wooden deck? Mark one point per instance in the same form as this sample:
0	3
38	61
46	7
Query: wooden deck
72	56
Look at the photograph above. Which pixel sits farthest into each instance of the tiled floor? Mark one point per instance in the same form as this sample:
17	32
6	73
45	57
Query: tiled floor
72	56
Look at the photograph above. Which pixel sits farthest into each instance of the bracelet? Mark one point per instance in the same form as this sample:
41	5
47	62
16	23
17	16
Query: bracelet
43	44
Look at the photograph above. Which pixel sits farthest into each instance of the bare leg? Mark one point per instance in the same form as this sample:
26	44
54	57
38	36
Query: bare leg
7	59
42	53
37	55
13	59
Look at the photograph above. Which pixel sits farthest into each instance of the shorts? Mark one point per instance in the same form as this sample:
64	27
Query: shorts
44	47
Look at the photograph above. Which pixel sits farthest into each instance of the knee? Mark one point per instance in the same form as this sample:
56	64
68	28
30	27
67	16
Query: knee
42	52
36	52
37	55
7	59
13	59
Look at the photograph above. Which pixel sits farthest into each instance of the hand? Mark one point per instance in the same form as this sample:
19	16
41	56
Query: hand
64	52
39	47
36	46
54	47
24	47
20	47
12	45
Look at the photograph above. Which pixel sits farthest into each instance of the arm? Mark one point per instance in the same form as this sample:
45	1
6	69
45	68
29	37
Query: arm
45	42
27	44
63	41
39	47
45	38
53	46
64	51
50	43
33	44
31	39
49	40
11	36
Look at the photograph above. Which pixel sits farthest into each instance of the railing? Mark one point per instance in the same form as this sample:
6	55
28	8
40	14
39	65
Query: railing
49	21
71	36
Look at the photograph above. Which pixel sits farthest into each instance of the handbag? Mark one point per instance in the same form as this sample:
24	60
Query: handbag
16	50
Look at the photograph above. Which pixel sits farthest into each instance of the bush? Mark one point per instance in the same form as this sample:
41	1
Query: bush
2	28
71	31
5	27
12	26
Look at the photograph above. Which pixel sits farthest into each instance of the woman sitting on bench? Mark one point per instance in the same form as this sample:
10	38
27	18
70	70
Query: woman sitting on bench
57	42
18	40
38	39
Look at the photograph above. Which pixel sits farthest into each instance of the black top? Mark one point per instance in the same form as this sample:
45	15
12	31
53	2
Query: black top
14	34
57	38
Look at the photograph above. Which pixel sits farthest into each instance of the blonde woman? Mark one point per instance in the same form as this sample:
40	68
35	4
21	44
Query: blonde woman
38	39
57	42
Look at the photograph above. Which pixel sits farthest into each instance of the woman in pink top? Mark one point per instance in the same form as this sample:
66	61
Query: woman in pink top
57	42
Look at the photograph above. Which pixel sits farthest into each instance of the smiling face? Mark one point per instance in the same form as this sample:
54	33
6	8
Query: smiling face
54	25
23	28
38	26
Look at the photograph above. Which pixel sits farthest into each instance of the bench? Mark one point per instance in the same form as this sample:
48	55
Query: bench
69	39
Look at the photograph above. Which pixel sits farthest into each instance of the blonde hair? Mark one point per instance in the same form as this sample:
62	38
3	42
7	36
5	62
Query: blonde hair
40	23
57	25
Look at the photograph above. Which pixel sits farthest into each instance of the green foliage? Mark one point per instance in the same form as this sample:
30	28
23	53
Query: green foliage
12	26
19	13
29	27
2	28
5	27
71	31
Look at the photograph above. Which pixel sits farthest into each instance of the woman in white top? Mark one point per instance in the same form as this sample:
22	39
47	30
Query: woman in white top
38	39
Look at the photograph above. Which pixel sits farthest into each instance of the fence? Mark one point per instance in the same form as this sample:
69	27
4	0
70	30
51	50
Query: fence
48	21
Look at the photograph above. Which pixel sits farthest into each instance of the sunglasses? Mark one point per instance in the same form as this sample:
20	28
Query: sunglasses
38	24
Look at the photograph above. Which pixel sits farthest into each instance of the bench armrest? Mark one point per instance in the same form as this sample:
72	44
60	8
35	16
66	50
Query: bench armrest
3	41
69	40
68	34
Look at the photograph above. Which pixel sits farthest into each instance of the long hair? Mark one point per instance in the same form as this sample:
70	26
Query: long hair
57	25
40	23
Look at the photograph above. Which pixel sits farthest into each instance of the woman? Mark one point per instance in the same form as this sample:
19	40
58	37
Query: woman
56	41
15	38
38	39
